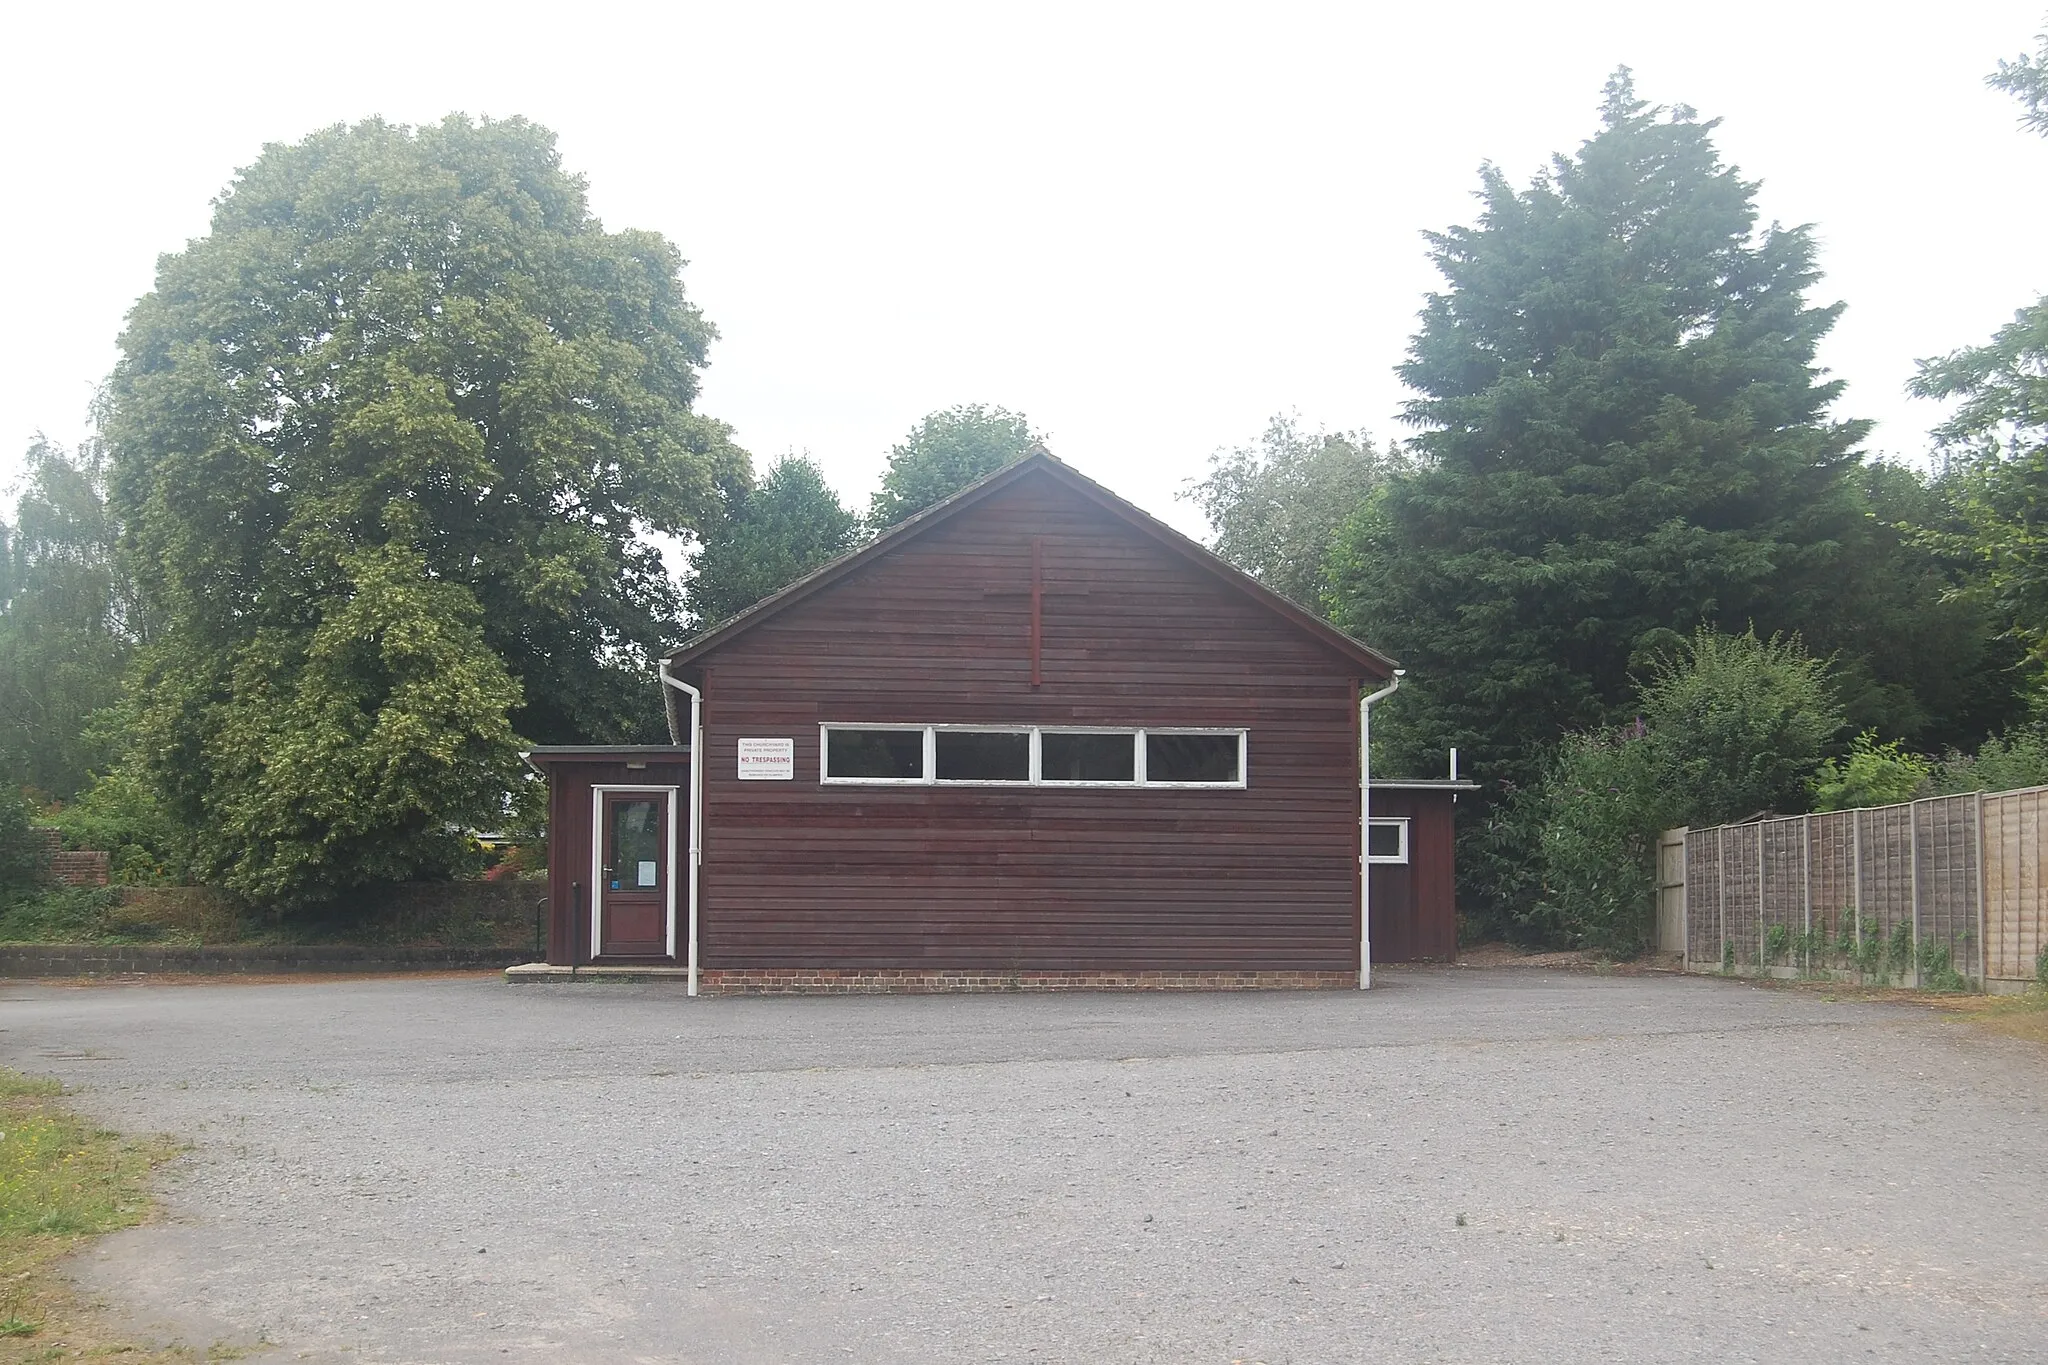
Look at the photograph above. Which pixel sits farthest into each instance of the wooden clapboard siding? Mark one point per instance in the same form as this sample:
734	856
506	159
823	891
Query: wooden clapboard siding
936	630
1412	904
570	781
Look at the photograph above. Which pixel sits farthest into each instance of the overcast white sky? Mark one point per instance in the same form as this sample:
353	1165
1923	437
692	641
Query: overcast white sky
1146	227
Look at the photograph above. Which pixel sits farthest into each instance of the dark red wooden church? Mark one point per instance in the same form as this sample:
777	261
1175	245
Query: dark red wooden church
1030	737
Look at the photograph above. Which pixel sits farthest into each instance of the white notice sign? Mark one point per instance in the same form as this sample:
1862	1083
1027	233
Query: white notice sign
767	760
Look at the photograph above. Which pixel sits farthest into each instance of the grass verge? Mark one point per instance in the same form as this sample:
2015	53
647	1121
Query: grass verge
2011	1016
64	1181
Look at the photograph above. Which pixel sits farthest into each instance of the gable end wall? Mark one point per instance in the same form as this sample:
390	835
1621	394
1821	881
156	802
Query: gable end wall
801	875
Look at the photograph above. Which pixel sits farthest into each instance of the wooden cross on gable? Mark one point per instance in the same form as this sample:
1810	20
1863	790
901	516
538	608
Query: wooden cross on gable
1038	597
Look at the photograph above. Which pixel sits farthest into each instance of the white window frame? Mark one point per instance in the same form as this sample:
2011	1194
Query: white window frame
1137	737
1036	777
1400	822
931	755
1243	754
825	757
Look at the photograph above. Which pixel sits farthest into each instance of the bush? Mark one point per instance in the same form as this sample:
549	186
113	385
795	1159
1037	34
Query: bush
2016	759
120	813
1603	803
61	914
1739	725
21	863
1730	725
1871	774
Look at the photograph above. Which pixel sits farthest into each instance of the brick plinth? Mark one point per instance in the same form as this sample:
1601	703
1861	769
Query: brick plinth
67	868
738	981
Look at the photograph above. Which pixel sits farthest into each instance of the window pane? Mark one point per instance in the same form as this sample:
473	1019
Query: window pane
978	756
1087	758
636	844
1191	758
874	753
1384	840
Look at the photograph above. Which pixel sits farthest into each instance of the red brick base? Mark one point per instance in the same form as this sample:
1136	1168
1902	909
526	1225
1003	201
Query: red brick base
740	981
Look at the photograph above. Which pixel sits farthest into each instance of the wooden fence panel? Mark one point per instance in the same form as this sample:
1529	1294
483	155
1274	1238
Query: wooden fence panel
1782	899
1671	880
1831	868
1885	868
1703	898
1741	891
1961	874
2015	907
1945	894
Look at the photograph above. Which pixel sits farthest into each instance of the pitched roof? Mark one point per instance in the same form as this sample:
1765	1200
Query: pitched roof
1038	460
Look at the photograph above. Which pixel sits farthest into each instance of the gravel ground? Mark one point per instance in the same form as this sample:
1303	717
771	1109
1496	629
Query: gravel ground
1471	1165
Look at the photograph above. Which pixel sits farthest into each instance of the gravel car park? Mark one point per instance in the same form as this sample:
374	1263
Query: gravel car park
1462	1164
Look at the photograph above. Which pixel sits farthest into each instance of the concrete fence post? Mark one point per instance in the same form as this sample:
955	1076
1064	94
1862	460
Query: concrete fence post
1806	887
1977	850
1856	872
1721	890
1763	956
1913	865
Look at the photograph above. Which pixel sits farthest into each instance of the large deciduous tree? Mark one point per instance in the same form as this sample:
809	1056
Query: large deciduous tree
1622	434
1998	435
945	452
67	620
1277	508
387	444
774	532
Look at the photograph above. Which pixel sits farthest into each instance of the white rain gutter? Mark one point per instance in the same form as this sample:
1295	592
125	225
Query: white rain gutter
1365	704
696	803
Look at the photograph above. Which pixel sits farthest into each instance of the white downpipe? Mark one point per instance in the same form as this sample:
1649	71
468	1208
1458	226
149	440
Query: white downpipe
696	855
1365	705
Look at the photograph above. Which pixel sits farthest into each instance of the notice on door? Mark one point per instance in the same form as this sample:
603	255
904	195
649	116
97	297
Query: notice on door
767	760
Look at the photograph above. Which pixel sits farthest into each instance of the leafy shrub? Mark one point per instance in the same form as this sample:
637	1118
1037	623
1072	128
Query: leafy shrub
1739	725
2016	759
120	813
21	867
60	914
1870	774
1730	725
1603	807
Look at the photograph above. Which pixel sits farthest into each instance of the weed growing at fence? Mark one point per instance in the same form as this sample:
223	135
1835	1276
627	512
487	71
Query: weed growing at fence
1728	955
1777	945
1937	969
1898	950
2041	966
1810	947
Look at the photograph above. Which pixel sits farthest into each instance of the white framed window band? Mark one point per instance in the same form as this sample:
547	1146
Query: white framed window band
1031	756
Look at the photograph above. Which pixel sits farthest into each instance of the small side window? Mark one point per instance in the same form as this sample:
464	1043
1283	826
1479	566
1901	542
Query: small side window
1192	758
1386	841
875	755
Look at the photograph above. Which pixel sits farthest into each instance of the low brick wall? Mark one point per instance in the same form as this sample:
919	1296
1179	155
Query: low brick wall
81	867
727	981
60	960
501	914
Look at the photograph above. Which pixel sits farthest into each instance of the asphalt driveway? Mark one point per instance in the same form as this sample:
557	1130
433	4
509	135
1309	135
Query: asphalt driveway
1463	1165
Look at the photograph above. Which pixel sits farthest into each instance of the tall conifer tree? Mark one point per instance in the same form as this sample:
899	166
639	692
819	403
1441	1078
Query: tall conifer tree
1622	435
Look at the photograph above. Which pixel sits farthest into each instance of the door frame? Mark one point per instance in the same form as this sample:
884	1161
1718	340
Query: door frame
598	792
